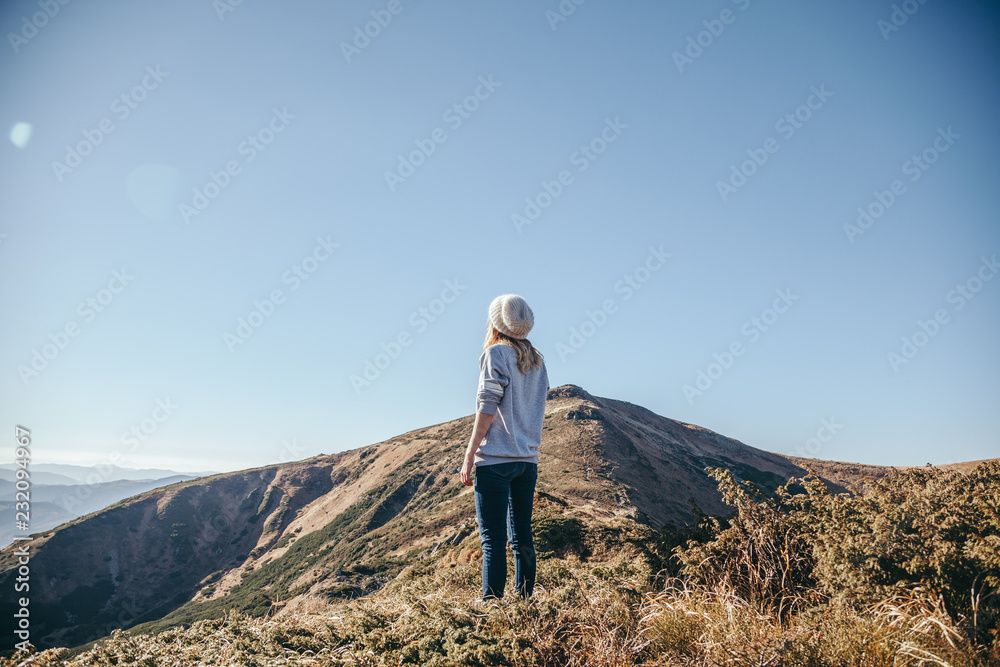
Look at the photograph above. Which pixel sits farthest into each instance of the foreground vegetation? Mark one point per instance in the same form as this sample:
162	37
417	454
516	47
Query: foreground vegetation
904	572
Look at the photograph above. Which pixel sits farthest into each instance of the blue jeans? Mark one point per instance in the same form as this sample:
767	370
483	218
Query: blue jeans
505	494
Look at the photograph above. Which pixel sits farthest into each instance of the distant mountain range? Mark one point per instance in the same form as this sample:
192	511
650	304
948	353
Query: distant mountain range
346	523
63	473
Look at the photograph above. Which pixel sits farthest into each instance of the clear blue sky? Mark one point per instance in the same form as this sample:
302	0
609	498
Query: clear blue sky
721	178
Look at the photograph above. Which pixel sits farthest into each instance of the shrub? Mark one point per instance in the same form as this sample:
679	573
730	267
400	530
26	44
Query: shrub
760	555
924	533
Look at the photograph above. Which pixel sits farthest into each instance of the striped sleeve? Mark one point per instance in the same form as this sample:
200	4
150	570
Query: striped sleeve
493	379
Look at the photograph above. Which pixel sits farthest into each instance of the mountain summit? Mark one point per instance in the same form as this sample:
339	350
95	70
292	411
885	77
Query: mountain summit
344	524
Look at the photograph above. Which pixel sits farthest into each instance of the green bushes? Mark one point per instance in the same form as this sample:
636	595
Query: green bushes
928	526
555	534
922	539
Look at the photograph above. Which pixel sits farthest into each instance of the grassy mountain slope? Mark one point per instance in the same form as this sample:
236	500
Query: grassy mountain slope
345	524
620	609
55	504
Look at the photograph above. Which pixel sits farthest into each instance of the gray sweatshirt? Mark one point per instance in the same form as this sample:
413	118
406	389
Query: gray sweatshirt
519	398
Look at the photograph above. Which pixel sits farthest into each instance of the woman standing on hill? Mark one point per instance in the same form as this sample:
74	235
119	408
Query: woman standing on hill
513	383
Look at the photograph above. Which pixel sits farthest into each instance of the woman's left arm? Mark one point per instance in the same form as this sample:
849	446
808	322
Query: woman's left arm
482	425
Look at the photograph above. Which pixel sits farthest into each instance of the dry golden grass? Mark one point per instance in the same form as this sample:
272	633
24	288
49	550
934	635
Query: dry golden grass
903	576
690	625
598	615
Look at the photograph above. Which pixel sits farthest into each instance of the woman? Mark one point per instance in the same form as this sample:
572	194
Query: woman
513	383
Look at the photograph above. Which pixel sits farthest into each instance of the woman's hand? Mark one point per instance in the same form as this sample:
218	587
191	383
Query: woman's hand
470	462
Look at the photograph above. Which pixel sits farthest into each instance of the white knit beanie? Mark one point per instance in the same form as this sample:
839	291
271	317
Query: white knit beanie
510	314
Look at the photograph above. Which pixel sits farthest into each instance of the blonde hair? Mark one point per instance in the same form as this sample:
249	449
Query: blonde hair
528	356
